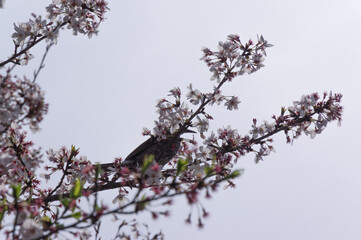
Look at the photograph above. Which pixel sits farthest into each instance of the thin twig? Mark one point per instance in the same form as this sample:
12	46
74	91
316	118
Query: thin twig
41	66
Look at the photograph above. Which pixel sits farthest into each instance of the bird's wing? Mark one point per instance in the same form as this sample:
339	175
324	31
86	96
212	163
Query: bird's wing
141	149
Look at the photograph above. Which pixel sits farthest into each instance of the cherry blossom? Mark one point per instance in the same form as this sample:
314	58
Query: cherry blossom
30	229
194	96
232	103
82	16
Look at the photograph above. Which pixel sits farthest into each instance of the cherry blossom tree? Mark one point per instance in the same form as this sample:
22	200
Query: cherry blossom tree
72	207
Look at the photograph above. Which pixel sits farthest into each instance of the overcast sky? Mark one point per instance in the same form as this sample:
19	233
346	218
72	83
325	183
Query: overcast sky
103	91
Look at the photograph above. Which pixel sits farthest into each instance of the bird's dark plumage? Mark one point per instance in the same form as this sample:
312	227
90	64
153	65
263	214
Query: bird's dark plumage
163	151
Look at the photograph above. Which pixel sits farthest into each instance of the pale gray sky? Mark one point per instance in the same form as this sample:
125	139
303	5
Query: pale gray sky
103	91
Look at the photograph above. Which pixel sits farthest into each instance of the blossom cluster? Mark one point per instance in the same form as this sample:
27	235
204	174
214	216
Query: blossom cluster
21	192
234	58
82	16
79	15
71	166
171	115
21	102
18	159
219	152
196	97
310	116
18	164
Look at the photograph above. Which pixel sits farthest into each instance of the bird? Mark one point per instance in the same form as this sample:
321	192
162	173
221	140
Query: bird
162	150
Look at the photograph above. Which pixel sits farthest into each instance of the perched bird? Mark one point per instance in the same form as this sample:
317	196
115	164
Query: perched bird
163	151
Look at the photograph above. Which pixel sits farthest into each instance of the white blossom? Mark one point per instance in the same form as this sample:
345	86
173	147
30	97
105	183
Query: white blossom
305	105
210	139
30	229
234	55
232	103
22	216
198	169
202	124
153	173
204	153
263	151
262	130
121	199
195	95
